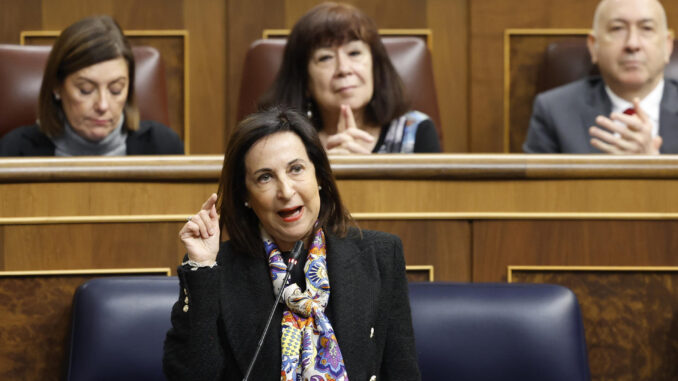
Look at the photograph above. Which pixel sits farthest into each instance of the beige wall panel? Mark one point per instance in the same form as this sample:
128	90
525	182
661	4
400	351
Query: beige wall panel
172	50
489	19
526	57
207	24
386	13
360	196
246	22
294	9
498	244
449	22
536	196
149	14
87	199
57	15
96	245
2	247
18	15
443	244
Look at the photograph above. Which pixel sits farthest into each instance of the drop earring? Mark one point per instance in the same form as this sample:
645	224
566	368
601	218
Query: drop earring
320	187
309	111
57	97
247	204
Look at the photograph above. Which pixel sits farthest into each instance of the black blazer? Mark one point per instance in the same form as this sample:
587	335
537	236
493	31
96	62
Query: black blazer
222	311
152	138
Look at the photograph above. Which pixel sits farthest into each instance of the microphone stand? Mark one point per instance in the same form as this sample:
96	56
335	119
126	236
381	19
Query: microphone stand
290	265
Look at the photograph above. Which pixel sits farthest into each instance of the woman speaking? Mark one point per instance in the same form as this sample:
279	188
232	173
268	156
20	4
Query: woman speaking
345	311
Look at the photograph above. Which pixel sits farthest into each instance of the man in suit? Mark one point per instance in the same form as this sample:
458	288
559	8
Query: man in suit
631	107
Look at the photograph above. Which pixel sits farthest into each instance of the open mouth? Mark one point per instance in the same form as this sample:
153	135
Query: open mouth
291	214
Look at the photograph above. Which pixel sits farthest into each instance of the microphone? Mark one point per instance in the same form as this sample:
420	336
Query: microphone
290	265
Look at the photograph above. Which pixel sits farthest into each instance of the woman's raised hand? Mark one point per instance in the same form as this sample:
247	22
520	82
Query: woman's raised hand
200	234
349	137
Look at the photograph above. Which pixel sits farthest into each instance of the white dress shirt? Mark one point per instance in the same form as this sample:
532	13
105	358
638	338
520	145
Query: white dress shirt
650	104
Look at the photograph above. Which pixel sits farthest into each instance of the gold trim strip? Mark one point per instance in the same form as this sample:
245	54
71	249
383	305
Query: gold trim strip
547	31
507	68
427	33
187	95
357	216
513	215
184	34
94	219
429	268
507	91
158	270
511	268
131	32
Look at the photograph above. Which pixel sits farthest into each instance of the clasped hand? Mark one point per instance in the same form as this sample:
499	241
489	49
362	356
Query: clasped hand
348	138
200	234
625	134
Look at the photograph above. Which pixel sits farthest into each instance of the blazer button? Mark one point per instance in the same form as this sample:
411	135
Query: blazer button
373	378
371	332
186	308
186	300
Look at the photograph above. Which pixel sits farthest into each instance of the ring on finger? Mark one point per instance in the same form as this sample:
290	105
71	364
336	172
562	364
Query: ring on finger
189	219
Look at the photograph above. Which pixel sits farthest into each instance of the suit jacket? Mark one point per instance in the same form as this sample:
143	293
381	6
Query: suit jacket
561	117
152	138
222	311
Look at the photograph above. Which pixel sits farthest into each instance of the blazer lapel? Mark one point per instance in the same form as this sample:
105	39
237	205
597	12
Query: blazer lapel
668	117
597	103
354	287
246	304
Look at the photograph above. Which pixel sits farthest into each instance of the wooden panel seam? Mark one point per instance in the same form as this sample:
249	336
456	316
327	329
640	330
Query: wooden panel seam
357	216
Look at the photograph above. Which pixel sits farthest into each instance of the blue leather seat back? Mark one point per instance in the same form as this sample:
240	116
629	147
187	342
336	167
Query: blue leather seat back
483	331
463	331
119	326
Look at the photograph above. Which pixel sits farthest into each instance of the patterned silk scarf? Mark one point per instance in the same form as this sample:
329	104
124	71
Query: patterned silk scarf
310	350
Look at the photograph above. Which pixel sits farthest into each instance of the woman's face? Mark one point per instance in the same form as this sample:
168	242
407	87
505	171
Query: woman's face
341	74
282	189
93	98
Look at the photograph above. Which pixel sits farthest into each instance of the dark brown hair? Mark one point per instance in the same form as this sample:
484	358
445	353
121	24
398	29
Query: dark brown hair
239	221
331	24
87	42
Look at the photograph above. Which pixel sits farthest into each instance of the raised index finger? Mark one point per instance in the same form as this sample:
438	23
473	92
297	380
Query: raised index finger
210	202
350	119
341	125
639	111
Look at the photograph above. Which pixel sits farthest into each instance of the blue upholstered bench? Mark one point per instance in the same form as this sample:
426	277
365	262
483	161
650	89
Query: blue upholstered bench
464	331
